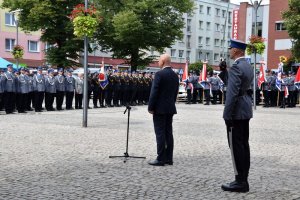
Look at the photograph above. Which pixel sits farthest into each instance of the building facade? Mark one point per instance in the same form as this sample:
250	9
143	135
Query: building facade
270	26
33	48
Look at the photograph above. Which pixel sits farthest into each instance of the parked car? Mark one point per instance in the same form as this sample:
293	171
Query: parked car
182	94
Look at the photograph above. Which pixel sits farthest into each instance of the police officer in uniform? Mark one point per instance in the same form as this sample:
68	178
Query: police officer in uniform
274	92
147	89
117	88
207	88
60	89
291	88
110	88
1	90
70	88
134	85
140	90
79	91
50	90
237	114
126	88
267	89
30	96
39	89
23	89
215	87
9	85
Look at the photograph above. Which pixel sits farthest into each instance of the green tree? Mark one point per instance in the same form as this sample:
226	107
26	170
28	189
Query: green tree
292	20
197	66
51	18
131	28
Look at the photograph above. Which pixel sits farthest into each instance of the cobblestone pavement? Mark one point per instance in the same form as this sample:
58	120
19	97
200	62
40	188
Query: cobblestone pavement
50	156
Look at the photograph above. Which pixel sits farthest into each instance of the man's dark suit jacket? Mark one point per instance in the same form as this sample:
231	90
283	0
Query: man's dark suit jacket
164	92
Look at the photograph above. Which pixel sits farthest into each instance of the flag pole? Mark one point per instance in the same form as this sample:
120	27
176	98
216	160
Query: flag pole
278	98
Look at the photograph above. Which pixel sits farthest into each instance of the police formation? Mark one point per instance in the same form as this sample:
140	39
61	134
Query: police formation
269	94
23	91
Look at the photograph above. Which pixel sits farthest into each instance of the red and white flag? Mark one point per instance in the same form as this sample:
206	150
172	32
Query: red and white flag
185	72
297	78
262	76
286	92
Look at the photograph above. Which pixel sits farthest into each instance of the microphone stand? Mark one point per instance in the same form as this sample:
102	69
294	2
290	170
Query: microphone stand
126	154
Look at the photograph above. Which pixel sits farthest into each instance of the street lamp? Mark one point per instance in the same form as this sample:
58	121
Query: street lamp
15	17
85	85
255	5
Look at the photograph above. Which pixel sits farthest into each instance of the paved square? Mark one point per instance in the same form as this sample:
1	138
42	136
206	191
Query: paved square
49	155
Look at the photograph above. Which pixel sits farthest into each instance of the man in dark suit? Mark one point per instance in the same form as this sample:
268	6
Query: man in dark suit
237	114
161	105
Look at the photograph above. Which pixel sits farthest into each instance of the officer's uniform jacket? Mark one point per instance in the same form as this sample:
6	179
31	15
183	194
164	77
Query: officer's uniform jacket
291	83
267	83
79	86
10	83
238	104
189	81
1	84
206	83
70	84
50	84
39	83
60	83
215	83
30	83
23	86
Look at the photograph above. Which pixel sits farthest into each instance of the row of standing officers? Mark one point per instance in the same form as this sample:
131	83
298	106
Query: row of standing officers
24	91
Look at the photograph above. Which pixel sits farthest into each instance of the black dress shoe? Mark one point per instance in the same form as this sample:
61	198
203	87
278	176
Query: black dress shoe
156	163
236	186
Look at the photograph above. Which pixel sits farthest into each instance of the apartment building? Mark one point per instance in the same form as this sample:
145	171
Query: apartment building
33	48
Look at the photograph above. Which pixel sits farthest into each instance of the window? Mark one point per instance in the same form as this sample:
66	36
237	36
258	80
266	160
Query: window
9	44
217	12
180	53
208	26
173	52
222	28
10	19
188	54
217	27
222	43
207	41
216	57
208	10
200	9
188	38
200	24
207	56
224	13
200	40
199	55
33	46
189	25
279	26
217	42
229	17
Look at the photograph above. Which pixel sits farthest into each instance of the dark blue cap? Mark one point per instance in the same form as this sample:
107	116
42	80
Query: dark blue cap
133	72
70	70
50	71
39	68
22	69
9	65
237	44
60	70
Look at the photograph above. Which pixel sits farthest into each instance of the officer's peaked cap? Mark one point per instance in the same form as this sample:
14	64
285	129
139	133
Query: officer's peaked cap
237	44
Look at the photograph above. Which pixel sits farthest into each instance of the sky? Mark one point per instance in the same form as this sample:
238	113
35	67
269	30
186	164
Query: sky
238	1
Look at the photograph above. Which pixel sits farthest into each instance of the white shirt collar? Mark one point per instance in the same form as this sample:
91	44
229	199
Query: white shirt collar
239	58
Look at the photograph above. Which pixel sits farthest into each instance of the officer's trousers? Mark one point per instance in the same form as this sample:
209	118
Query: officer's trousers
59	99
1	101
39	98
164	136
78	101
9	101
69	99
21	101
238	139
49	100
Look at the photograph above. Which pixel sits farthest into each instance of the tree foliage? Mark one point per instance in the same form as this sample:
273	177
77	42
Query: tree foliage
131	28
197	66
51	18
292	20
